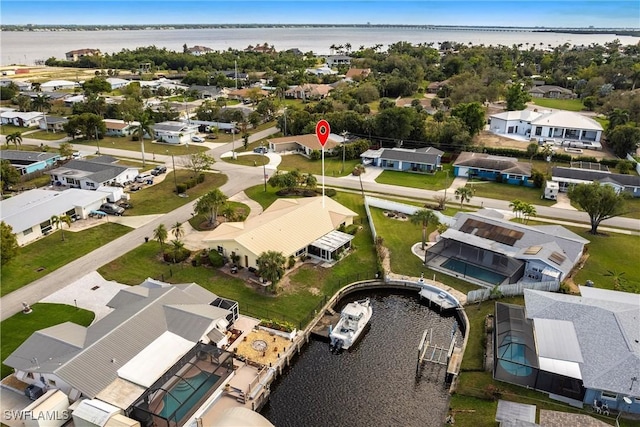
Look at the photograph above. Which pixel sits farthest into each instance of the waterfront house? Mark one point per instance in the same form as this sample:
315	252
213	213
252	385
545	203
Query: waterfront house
486	249
580	349
335	60
91	174
27	162
564	127
75	55
29	213
303	144
285	227
174	132
566	177
199	50
133	358
426	159
492	168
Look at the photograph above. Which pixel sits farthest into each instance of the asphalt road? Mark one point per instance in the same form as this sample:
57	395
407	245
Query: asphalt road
240	177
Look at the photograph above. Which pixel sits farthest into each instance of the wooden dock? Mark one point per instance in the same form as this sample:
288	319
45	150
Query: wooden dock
321	329
428	351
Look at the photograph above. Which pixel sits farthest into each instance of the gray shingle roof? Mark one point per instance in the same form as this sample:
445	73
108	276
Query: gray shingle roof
95	171
592	175
493	163
426	155
114	340
26	156
606	324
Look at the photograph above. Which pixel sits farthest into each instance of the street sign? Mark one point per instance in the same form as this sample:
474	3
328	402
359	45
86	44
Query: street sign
322	132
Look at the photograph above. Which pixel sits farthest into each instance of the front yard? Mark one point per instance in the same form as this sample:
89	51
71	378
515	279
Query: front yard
439	181
332	165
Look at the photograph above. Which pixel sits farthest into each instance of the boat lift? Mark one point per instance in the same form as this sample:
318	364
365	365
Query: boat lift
428	351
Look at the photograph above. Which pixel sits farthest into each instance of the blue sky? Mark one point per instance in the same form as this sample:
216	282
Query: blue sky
561	13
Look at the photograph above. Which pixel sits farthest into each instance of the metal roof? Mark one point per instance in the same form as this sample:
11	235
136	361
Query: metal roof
34	207
587	175
332	240
490	162
567	120
512	411
557	339
606	327
27	156
92	170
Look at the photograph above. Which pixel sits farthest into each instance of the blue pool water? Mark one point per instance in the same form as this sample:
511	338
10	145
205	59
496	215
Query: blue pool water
514	361
185	394
473	271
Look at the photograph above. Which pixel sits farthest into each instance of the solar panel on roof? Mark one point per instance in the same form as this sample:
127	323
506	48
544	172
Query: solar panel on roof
532	250
557	257
491	231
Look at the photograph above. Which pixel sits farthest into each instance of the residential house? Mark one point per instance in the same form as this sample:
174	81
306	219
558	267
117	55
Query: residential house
117	83
246	93
174	132
54	85
22	86
29	213
17	118
75	55
199	50
91	174
324	70
486	249
156	334
493	168
49	95
70	101
285	227
206	92
27	162
434	87
309	91
579	349
335	60
261	48
549	91
167	84
569	128
425	159
119	127
304	144
53	123
566	177
358	73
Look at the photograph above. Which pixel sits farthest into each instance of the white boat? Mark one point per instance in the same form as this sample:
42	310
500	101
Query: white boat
353	319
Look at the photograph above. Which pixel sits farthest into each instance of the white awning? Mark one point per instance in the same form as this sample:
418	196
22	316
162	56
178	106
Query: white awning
332	241
561	367
155	359
557	339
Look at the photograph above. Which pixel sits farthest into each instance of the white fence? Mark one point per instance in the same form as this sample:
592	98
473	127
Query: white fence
403	208
512	290
630	157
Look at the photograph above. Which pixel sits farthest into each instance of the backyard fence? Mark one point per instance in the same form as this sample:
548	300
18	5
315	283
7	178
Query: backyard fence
630	157
480	295
374	234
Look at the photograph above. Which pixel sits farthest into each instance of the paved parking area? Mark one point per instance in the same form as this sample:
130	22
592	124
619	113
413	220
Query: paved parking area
564	419
91	292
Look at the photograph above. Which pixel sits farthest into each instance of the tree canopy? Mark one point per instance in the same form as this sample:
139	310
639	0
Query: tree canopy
600	201
8	242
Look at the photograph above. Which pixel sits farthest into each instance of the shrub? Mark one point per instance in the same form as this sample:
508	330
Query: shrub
191	183
278	325
291	262
315	155
216	259
171	255
352	229
200	178
182	188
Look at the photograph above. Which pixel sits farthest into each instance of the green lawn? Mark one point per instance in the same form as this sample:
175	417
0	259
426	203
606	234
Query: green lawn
494	190
559	104
633	208
150	148
17	328
613	252
258	194
332	165
21	147
441	180
161	198
7	129
248	160
47	136
241	210
50	252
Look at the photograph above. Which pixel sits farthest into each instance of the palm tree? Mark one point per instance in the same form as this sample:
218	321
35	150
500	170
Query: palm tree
528	210
160	233
41	103
617	277
618	117
228	212
464	194
177	230
57	222
516	207
271	266
424	217
210	203
15	138
145	126
177	247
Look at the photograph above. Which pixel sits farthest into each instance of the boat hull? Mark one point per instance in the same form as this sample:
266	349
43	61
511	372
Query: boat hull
353	322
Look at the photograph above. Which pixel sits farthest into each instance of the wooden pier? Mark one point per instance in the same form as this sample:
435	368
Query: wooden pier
428	351
321	328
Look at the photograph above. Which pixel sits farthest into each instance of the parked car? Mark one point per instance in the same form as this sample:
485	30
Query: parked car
197	139
158	170
212	136
111	209
261	150
144	178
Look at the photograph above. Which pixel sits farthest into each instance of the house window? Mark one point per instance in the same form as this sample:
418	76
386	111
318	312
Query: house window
30	375
538	131
510	129
90	184
300	252
52	383
27	231
608	395
220	250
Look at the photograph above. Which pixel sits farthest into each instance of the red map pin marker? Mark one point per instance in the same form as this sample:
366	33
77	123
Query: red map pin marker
322	131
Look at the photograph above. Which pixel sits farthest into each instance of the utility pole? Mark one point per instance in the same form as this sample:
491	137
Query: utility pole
235	62
344	140
264	170
98	141
175	180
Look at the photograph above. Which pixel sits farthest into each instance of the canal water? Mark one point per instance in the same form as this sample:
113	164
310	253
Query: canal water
373	384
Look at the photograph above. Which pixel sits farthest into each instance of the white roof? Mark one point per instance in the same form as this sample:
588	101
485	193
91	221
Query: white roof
561	367
23	115
149	365
286	226
53	83
115	80
95	412
566	119
556	339
524	115
36	206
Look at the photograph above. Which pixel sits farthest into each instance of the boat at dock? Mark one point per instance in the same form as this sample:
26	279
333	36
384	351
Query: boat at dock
353	319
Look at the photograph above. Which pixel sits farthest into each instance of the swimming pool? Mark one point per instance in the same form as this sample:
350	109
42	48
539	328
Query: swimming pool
513	359
471	270
185	394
